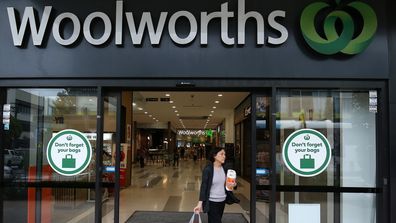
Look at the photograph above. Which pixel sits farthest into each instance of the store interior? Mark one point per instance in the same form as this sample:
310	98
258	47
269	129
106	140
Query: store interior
165	141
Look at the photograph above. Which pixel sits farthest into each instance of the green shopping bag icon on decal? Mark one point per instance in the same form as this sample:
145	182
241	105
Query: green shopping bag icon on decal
68	161
307	162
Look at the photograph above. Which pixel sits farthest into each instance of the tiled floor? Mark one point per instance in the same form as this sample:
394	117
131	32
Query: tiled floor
159	188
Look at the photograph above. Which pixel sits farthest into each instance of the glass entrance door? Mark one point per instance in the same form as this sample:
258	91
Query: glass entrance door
347	188
38	185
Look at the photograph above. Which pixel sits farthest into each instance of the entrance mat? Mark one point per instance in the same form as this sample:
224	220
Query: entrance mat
178	217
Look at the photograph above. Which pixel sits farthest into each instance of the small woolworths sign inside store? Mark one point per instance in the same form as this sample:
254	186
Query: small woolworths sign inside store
69	152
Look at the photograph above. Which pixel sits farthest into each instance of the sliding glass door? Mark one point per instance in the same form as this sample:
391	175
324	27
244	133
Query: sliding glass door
316	156
345	190
43	186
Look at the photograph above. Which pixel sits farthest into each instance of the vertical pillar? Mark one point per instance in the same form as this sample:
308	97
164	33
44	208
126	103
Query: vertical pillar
168	136
3	99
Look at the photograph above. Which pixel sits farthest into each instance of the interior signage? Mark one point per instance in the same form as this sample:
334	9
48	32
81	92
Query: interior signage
192	132
39	26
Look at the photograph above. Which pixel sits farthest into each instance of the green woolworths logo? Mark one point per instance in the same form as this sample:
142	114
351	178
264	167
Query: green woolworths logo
335	42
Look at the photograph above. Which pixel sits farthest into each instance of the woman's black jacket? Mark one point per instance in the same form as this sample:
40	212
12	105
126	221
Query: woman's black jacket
207	180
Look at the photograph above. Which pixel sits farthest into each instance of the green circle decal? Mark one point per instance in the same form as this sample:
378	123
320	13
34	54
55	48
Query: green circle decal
306	152
69	152
344	41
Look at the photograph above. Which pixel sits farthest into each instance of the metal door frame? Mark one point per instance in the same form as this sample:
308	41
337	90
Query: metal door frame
99	185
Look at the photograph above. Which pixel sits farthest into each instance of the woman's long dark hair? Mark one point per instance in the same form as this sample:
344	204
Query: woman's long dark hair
213	153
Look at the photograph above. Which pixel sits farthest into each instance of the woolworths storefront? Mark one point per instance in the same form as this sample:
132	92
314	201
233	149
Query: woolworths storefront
326	70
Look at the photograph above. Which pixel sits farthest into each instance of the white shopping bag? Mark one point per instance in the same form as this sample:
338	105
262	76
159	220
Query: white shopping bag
196	218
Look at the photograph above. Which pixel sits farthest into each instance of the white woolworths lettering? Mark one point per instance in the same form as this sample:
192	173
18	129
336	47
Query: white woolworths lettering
224	14
136	33
107	28
172	27
28	16
76	28
146	20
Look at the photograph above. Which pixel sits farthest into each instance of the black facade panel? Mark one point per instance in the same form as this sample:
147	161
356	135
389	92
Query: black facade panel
292	59
392	122
392	107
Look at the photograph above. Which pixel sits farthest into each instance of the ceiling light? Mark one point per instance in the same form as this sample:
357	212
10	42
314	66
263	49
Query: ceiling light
173	106
167	95
146	113
220	95
177	114
217	102
134	104
153	118
150	116
156	120
140	109
210	115
214	107
171	102
211	111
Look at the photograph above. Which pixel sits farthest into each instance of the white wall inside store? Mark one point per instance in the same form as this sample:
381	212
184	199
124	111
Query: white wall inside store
229	128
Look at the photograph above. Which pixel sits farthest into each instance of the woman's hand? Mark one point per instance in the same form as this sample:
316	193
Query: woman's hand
198	208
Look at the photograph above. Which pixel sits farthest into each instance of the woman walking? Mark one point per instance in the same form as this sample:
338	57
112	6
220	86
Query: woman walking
212	194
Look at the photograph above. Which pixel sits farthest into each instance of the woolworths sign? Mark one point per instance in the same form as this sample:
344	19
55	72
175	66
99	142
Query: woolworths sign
82	26
347	39
340	34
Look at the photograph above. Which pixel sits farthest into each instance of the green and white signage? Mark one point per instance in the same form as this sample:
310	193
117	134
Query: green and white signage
69	152
306	152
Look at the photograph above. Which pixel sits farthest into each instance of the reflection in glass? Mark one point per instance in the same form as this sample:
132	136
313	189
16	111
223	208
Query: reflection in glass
109	151
357	141
325	201
305	109
358	208
262	206
344	119
263	158
36	115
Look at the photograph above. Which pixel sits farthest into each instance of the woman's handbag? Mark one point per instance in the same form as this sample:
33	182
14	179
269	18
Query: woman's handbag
231	198
196	218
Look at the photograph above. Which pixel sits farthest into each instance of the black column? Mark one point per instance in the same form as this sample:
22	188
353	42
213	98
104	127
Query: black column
253	154
118	160
392	105
2	102
99	149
